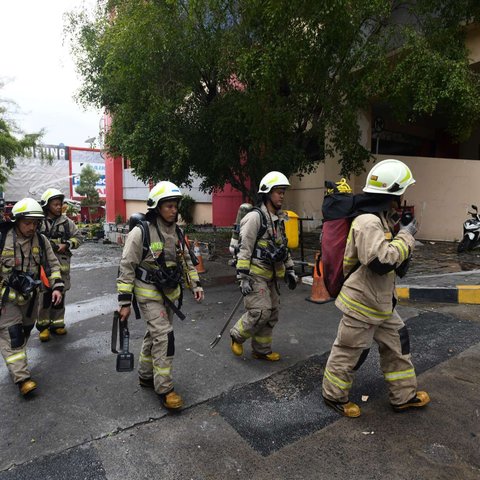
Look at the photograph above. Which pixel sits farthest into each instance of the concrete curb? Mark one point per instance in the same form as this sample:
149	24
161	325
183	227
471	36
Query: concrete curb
469	294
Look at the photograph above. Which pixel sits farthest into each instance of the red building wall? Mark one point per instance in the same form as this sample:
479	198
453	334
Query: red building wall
115	204
225	206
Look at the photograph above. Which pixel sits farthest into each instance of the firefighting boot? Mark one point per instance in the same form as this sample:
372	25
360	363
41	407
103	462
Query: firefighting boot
237	348
270	357
146	382
171	400
347	409
419	400
44	335
59	331
27	386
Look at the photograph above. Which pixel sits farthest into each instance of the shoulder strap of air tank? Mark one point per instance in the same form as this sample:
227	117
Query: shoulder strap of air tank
5	227
3	236
66	228
43	257
181	236
184	243
144	227
263	224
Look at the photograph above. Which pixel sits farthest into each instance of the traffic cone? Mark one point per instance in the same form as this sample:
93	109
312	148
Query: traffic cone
319	291
196	249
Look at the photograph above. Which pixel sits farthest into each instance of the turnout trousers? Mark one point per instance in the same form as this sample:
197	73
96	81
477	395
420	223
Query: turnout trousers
15	328
158	347
351	347
53	316
260	317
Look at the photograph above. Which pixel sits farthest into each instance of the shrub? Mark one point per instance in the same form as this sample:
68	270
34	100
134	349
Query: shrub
185	209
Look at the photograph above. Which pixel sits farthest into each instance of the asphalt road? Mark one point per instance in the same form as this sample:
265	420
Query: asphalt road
243	418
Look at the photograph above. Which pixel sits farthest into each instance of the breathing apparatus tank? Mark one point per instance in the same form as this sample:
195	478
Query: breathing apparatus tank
135	219
242	211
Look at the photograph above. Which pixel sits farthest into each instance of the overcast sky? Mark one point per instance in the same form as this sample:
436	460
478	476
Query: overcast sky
39	72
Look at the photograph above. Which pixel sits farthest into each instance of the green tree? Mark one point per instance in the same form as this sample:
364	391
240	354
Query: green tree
230	89
87	186
13	142
185	209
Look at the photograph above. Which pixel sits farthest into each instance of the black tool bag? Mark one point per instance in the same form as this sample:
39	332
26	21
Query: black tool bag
125	361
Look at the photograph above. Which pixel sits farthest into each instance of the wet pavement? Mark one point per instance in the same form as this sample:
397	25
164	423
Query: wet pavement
433	263
431	258
242	418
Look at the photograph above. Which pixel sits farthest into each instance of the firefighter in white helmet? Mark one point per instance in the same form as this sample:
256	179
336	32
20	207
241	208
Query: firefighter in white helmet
373	258
263	257
64	237
156	263
27	262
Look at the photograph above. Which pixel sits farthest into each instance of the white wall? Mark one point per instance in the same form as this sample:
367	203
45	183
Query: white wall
444	190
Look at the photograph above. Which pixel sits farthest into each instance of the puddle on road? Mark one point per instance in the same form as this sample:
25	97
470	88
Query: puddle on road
78	311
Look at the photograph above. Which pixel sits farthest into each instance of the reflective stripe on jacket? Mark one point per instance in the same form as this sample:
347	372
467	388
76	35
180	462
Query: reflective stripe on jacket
127	283
249	228
367	295
30	249
61	230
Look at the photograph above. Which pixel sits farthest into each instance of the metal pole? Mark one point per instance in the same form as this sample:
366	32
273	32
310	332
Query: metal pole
302	255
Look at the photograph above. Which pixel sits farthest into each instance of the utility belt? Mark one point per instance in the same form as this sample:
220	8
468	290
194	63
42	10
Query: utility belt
168	277
270	253
162	278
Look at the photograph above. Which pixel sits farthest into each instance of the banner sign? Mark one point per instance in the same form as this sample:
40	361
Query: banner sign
79	158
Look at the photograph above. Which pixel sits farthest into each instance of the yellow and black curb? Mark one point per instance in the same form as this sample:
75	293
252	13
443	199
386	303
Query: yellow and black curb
469	294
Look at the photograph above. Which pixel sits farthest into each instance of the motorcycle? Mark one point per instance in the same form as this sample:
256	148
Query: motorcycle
471	232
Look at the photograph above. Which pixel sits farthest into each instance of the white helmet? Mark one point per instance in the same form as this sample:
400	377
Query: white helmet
27	208
391	177
162	191
273	180
50	194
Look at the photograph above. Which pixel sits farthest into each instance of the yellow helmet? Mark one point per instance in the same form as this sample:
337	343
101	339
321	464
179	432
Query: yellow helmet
162	191
50	194
27	208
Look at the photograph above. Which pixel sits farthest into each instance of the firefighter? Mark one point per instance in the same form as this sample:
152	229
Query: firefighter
263	257
155	264
373	257
64	237
27	260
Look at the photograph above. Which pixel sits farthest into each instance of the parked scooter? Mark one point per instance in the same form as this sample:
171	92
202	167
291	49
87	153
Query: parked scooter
471	232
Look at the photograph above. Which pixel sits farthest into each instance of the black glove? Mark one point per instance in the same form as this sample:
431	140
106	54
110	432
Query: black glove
291	279
411	228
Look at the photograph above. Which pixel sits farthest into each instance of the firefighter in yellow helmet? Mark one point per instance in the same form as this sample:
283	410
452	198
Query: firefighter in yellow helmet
64	237
155	264
27	260
263	257
373	258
